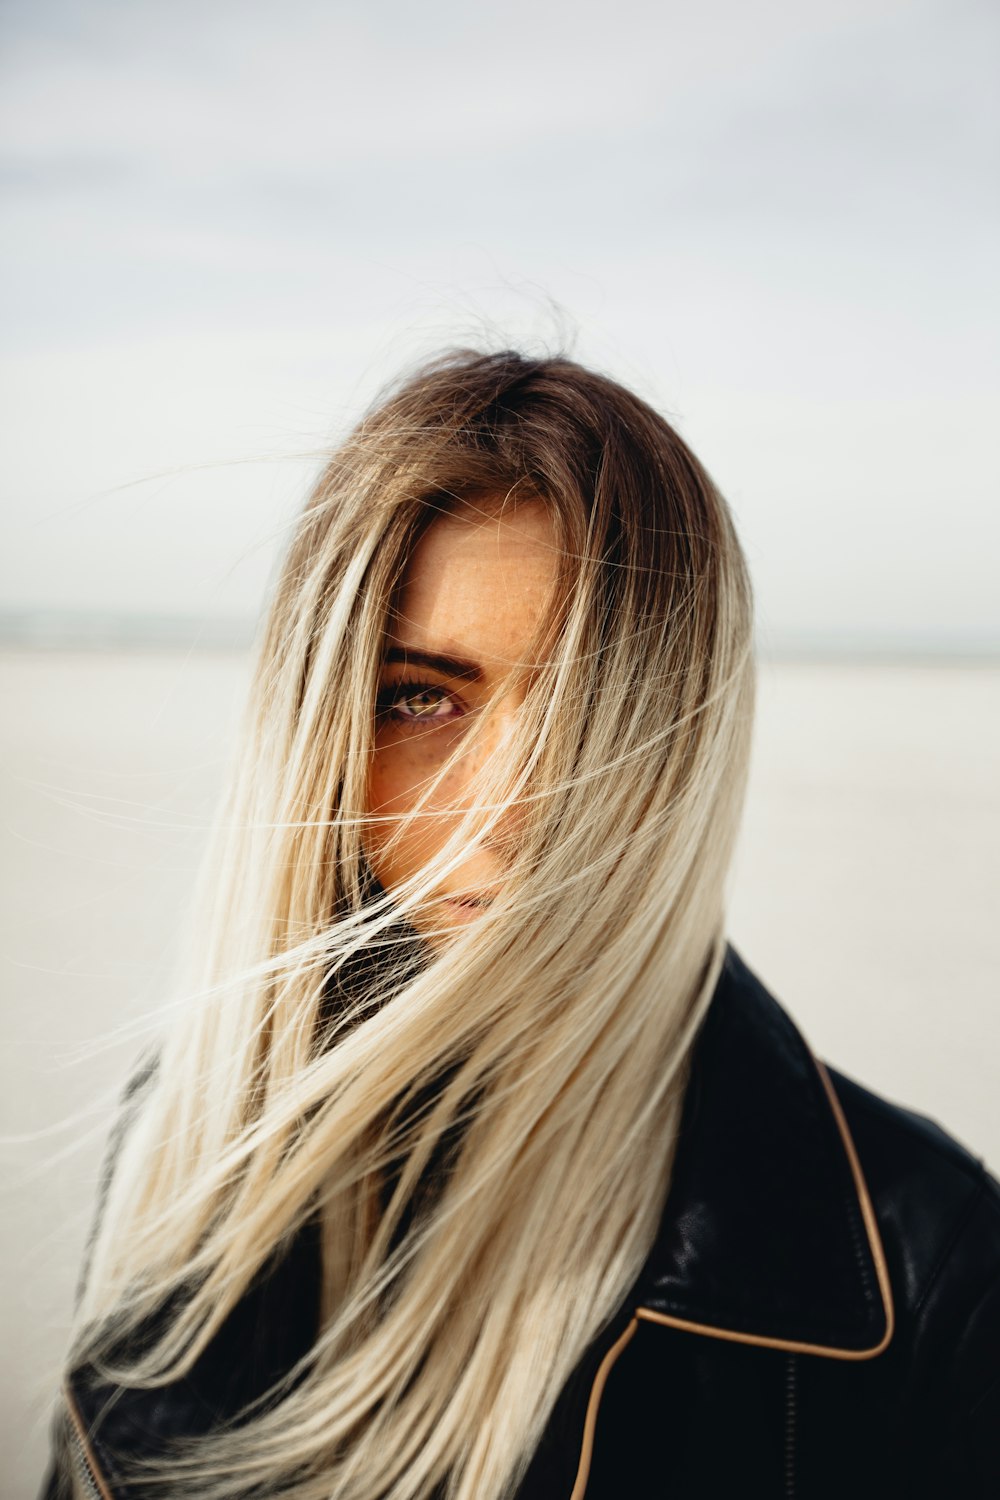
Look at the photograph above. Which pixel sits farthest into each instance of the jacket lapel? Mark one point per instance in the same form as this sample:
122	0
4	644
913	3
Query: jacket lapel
768	1236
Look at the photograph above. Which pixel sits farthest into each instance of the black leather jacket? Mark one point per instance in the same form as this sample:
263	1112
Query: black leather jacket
819	1316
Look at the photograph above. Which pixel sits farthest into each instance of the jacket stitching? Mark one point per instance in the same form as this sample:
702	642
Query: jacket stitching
857	1237
715	1315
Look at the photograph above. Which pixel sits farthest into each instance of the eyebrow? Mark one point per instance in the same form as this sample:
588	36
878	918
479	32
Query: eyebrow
448	666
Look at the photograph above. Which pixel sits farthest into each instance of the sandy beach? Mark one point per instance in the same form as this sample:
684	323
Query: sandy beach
865	894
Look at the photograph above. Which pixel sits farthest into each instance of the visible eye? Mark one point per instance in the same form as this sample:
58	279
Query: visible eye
417	703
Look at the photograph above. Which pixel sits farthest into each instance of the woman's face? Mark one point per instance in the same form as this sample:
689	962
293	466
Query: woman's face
473	593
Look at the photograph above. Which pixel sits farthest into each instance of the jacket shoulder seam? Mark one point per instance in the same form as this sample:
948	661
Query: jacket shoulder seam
985	1395
949	1149
960	1226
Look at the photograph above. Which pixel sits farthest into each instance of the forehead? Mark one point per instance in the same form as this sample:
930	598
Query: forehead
478	582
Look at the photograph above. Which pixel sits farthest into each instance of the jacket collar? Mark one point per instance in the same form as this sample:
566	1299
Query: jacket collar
768	1235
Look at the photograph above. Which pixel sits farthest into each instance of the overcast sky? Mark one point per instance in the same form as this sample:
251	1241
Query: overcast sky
226	223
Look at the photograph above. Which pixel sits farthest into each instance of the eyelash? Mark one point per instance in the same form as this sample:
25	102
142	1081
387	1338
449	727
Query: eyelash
390	696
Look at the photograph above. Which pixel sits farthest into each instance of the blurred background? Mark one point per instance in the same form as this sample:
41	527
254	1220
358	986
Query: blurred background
226	225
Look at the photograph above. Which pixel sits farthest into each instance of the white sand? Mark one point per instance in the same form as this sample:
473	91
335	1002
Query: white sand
865	896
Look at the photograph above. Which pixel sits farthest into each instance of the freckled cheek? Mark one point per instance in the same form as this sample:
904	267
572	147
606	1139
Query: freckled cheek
398	773
383	785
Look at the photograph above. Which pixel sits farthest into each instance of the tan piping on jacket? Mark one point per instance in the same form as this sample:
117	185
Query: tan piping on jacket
648	1315
590	1421
878	1256
78	1428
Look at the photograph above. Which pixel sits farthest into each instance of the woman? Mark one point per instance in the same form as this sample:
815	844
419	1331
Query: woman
478	1164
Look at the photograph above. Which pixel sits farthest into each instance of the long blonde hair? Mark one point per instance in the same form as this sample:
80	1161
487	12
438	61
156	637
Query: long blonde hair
483	1128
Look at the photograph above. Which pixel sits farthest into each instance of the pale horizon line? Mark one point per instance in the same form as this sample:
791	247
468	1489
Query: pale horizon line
46	629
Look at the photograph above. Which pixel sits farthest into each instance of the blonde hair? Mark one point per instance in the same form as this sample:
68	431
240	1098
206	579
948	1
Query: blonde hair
482	1128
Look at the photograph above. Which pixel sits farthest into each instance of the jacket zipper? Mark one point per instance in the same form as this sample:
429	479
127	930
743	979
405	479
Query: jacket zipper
791	1412
83	1467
